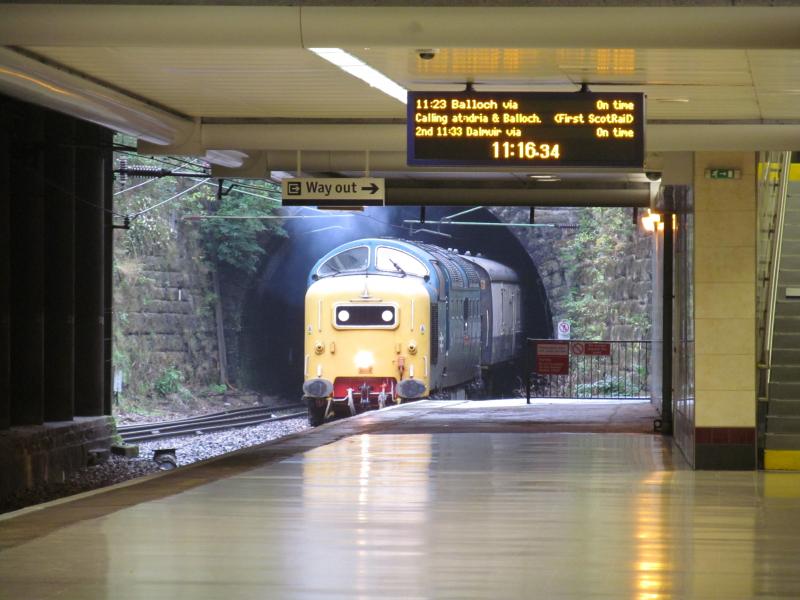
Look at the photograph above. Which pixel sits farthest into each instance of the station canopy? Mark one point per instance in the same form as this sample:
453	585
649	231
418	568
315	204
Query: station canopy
269	89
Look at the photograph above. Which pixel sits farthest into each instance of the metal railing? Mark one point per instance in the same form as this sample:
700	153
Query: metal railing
588	369
773	192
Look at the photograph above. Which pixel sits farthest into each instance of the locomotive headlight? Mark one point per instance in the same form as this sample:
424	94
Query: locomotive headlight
412	347
364	359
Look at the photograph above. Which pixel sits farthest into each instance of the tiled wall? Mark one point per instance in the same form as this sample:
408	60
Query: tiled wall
724	294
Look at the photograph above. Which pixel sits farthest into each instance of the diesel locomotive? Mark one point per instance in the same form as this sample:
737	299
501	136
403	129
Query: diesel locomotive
389	320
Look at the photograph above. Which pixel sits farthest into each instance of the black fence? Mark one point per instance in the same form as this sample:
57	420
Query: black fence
587	369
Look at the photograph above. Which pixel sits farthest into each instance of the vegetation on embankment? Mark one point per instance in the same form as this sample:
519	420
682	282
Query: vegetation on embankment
168	320
595	265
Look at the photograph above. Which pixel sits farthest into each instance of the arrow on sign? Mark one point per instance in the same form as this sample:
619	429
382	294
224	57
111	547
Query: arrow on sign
372	188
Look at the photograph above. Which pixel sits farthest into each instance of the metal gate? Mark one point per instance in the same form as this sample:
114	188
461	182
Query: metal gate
586	369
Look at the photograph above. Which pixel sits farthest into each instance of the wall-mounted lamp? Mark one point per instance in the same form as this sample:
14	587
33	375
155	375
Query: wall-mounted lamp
652	221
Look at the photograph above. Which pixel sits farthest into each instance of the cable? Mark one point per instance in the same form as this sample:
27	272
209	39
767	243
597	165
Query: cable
261	217
138	185
163	161
244	192
178	195
238	182
68	193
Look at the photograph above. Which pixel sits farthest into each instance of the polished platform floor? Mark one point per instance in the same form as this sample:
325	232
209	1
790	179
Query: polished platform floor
356	510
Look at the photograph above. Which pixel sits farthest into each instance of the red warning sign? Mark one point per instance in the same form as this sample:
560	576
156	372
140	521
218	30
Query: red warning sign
597	349
591	348
552	358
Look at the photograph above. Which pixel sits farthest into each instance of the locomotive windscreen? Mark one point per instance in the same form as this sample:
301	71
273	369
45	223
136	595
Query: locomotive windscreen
382	316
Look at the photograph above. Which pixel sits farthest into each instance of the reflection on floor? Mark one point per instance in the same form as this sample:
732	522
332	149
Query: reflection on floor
542	415
473	515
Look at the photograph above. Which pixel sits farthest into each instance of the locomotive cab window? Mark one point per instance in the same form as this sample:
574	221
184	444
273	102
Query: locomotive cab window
397	261
353	259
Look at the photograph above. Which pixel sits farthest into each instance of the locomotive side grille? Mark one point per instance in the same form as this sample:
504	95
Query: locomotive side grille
434	333
450	262
455	274
473	279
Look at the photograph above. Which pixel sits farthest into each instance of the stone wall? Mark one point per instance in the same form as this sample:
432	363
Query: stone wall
50	452
164	316
605	279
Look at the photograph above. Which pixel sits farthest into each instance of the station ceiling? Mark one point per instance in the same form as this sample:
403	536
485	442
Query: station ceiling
237	83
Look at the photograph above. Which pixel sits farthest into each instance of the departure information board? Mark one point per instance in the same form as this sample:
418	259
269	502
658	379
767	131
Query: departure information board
526	129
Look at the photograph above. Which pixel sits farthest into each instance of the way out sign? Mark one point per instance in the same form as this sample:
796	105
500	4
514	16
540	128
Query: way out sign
333	191
552	358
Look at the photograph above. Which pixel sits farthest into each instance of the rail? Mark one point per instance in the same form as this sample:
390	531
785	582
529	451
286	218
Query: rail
587	369
231	419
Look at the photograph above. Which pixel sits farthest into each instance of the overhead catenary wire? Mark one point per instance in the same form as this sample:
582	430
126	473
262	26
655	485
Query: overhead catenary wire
241	191
463	212
238	183
133	187
68	193
178	195
262	217
131	151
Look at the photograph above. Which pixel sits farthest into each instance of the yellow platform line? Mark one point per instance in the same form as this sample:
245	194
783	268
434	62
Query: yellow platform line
782	460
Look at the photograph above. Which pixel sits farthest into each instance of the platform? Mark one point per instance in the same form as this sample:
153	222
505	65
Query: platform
356	509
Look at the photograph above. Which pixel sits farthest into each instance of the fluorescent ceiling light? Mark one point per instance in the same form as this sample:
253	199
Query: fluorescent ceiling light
357	68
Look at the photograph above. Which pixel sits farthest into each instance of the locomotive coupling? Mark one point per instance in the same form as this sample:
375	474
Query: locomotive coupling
318	388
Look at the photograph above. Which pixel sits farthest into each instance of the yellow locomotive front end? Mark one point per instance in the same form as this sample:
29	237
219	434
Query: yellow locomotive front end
366	343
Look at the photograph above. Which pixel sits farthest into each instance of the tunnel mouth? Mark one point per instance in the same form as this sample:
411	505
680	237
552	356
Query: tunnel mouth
273	314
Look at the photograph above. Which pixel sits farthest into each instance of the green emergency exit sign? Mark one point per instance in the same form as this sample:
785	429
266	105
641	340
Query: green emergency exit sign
723	174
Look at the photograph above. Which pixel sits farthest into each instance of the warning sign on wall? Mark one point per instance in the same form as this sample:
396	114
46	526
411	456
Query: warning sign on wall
591	348
552	358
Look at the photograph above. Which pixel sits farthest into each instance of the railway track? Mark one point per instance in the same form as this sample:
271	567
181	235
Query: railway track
230	419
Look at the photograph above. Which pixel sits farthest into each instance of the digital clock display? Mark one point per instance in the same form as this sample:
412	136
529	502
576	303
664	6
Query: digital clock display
527	129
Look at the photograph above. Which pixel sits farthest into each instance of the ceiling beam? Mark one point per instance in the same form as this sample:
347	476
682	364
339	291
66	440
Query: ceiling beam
639	197
553	26
353	141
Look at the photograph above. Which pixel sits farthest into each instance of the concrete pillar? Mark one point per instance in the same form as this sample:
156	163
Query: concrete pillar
724	308
89	261
27	267
5	270
60	252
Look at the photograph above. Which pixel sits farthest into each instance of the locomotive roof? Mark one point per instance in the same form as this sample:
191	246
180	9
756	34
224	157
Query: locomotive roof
495	270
